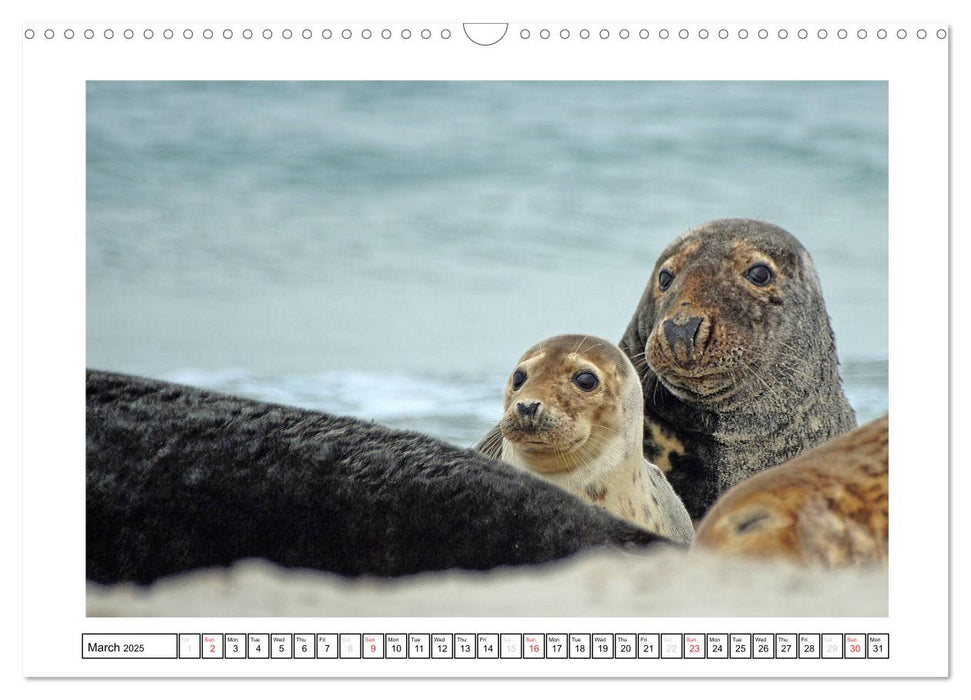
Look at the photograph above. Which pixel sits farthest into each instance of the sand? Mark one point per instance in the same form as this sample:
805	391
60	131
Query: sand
591	584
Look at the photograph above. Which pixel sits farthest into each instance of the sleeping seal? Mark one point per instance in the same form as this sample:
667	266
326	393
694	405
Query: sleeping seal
179	478
827	507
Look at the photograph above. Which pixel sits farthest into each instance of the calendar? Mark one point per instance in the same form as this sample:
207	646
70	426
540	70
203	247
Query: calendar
485	646
263	223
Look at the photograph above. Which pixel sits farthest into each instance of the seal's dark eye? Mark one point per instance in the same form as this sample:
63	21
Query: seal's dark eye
664	279
518	377
586	380
759	275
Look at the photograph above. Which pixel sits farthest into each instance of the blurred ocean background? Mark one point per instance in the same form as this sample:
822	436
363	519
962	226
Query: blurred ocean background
388	250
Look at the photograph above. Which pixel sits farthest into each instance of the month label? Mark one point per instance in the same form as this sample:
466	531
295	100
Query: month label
129	646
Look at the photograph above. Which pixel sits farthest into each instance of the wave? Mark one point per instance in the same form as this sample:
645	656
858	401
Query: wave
458	408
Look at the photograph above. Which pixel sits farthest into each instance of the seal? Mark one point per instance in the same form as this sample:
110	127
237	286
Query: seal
827	507
573	415
179	478
736	356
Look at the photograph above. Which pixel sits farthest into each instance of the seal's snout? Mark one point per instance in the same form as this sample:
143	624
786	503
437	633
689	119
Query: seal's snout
684	337
527	410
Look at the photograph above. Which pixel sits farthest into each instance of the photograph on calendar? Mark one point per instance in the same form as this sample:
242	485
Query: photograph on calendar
479	349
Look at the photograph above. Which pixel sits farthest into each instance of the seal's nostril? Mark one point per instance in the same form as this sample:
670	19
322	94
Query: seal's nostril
682	332
692	326
527	409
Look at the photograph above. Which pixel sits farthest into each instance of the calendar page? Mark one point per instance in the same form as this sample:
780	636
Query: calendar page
369	347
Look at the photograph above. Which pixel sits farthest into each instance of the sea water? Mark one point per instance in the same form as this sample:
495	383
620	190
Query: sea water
388	250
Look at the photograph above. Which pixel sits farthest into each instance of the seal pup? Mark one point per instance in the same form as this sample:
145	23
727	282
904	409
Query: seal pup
828	506
180	478
572	415
736	357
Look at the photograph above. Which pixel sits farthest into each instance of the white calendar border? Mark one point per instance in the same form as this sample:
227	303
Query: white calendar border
54	343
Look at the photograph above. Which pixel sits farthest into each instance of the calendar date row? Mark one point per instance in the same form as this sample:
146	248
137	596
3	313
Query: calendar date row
487	646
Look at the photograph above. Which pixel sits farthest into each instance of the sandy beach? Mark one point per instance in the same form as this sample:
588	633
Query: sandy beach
590	584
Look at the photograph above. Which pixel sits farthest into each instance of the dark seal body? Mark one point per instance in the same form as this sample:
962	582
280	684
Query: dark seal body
736	356
827	507
179	478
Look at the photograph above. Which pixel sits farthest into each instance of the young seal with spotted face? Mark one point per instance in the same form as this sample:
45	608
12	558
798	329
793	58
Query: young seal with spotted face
828	506
573	416
736	357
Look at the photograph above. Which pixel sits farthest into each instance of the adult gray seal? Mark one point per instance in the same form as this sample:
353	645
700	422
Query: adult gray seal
736	357
179	478
573	415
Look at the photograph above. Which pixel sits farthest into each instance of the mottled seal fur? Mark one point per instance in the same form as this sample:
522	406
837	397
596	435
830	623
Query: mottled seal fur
828	506
573	415
179	478
736	356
